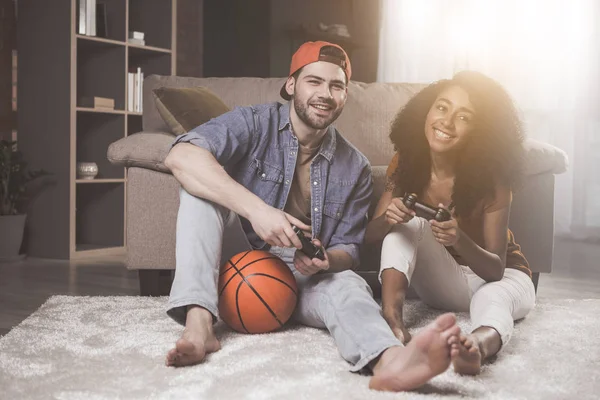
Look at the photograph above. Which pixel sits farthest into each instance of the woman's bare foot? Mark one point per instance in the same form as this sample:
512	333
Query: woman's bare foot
428	354
468	360
197	340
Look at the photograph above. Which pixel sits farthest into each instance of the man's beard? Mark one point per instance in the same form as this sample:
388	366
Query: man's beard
313	122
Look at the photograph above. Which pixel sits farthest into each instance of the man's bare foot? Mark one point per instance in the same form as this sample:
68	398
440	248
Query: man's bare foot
197	340
468	360
428	354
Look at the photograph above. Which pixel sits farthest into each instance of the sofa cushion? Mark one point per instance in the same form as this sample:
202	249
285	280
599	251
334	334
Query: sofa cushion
183	109
379	178
365	121
232	91
144	150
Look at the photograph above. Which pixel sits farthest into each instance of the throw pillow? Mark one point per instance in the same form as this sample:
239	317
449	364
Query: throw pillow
183	109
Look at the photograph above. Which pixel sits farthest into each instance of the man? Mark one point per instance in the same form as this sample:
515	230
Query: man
247	177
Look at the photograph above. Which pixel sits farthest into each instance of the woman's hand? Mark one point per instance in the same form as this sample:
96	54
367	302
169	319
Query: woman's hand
399	330
447	232
397	212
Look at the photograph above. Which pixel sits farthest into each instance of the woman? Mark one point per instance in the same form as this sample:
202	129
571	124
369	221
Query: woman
459	146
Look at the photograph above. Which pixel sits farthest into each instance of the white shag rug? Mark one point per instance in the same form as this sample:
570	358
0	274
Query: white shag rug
114	348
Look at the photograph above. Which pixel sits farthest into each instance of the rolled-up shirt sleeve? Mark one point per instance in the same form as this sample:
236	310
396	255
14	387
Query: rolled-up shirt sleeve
350	232
228	137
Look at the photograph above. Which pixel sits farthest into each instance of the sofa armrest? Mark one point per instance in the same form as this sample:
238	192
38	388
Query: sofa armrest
532	220
144	150
542	157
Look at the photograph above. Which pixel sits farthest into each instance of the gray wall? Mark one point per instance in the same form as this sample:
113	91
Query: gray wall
250	37
361	17
7	44
190	37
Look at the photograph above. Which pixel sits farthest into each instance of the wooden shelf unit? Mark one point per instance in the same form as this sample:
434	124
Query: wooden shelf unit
76	218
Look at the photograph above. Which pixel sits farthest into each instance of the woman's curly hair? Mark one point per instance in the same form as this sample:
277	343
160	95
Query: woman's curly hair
492	154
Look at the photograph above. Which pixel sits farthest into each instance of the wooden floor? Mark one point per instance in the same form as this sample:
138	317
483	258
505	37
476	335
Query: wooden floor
26	285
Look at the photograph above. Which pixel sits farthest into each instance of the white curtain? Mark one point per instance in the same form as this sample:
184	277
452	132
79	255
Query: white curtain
546	53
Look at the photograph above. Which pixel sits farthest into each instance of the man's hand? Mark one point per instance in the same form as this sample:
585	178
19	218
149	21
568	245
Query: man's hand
398	213
307	266
447	232
275	227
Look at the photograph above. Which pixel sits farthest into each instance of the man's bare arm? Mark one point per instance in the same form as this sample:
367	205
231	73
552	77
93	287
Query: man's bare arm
200	174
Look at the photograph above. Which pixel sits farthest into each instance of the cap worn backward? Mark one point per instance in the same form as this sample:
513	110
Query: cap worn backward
309	53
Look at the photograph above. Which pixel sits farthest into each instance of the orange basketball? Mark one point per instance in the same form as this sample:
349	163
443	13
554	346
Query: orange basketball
257	292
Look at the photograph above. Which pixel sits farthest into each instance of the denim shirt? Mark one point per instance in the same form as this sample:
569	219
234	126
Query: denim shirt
258	149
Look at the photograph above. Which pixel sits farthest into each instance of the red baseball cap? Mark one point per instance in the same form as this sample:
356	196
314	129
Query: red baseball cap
311	52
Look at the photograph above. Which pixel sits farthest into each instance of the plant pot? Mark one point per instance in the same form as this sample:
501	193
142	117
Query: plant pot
11	232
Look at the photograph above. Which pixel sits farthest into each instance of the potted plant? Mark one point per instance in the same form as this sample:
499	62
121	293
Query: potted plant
14	177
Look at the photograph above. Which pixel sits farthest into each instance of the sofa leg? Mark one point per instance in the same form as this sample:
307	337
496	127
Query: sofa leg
155	282
535	277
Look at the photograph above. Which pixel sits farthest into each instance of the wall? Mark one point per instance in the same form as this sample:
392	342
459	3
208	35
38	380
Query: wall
7	44
236	38
360	16
190	41
250	38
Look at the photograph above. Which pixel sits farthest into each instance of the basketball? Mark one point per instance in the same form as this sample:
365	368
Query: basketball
257	292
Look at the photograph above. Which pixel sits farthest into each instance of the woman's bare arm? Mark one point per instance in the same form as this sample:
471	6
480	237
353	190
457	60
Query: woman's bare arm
488	262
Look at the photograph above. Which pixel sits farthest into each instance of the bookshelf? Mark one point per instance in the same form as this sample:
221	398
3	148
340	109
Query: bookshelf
77	218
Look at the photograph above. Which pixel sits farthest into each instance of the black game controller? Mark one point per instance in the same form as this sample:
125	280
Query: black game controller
308	247
424	210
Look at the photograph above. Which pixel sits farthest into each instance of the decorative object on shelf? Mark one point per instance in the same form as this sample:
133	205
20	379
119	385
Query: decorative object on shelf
335	29
97	102
14	177
87	170
136	37
87	17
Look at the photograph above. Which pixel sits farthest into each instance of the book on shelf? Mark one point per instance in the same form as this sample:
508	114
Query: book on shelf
136	35
91	17
97	102
87	17
139	42
140	86
130	90
134	90
82	30
100	108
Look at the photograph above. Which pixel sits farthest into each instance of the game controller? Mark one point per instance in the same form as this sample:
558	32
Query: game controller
424	210
308	247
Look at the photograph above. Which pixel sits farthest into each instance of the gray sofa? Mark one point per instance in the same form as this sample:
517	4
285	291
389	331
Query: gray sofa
152	193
